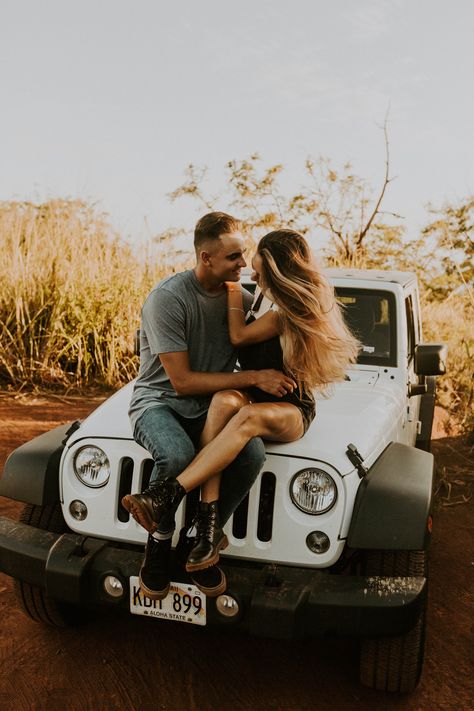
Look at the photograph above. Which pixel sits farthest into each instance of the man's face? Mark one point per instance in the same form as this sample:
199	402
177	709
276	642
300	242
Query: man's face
225	258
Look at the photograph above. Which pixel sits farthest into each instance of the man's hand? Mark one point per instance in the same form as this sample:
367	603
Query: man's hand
188	382
274	382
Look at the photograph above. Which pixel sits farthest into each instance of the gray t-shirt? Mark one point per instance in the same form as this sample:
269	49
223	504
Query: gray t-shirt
179	315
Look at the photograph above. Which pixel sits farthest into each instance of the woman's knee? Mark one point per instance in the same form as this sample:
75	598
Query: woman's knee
227	401
260	419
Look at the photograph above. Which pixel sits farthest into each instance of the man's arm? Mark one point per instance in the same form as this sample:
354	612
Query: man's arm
188	382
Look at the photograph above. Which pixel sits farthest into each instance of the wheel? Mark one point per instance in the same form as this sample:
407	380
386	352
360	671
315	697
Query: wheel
395	663
32	599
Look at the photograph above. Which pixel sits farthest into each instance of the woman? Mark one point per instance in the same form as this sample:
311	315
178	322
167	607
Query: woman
300	331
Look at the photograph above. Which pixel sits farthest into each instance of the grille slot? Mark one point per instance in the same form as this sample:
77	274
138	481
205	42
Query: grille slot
146	473
125	479
125	487
240	520
265	507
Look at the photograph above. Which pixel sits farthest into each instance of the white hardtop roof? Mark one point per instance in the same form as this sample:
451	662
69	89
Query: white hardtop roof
387	275
380	275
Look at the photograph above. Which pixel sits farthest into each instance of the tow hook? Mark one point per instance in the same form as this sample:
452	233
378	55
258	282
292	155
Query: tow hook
79	549
272	580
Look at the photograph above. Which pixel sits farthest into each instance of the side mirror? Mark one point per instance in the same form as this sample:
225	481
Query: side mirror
430	359
136	342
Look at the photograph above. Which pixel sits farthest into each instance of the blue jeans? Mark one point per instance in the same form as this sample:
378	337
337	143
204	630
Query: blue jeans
173	441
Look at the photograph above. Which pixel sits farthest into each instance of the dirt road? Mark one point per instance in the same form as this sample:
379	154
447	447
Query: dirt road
120	662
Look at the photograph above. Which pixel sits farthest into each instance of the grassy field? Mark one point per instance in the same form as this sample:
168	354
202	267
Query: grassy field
451	321
71	293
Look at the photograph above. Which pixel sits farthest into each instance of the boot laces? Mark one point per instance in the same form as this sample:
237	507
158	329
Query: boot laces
163	496
206	523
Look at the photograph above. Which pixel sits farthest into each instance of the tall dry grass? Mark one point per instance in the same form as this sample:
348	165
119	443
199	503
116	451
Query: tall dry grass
71	293
70	296
452	322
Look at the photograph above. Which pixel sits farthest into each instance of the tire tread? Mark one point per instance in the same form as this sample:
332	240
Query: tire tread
394	663
32	599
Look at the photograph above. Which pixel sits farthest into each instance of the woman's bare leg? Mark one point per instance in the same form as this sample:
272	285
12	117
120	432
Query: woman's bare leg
279	421
224	405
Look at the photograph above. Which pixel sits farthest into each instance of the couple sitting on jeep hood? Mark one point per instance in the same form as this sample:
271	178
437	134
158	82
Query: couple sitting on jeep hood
201	421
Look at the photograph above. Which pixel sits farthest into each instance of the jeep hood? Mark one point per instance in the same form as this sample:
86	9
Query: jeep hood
355	414
358	412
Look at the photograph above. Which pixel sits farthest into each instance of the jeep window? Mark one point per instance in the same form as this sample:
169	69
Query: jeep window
370	314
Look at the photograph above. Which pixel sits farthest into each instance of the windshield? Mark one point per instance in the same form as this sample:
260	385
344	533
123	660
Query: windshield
370	314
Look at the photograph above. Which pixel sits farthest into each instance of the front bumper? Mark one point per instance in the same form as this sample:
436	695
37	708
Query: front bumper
274	601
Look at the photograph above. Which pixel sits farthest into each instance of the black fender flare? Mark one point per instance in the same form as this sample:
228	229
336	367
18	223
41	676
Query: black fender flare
394	501
31	472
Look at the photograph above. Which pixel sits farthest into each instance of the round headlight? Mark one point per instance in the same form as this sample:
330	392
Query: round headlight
92	466
313	491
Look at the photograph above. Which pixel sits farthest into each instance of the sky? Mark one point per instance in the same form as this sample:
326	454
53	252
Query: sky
110	100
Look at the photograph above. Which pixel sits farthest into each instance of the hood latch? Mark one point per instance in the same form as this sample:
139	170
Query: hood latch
356	459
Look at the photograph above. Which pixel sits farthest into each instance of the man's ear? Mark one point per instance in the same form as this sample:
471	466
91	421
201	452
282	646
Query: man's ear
205	258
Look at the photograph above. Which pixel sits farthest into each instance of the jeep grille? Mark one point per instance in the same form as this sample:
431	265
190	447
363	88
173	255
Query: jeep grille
265	527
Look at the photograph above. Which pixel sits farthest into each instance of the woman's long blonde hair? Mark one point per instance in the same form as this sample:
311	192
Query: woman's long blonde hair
317	345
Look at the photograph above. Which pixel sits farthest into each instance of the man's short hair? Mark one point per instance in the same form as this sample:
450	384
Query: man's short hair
212	226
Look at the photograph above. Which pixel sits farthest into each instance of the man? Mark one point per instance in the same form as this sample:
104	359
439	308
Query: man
185	357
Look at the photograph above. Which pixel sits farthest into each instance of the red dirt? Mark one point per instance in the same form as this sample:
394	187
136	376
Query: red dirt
123	662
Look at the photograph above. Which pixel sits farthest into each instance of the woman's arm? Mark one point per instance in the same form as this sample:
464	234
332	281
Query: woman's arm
241	334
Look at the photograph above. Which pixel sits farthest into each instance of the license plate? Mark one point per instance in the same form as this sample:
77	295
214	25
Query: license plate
184	603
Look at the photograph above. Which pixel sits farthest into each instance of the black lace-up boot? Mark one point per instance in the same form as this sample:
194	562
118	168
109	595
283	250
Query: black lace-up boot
210	538
155	571
156	506
184	546
211	581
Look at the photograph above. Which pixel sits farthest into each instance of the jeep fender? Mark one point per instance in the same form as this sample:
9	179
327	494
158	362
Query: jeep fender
31	472
394	501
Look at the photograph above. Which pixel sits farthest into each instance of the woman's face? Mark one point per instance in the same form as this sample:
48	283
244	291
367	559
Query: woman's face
257	269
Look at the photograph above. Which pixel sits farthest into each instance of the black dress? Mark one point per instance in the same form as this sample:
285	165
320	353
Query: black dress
269	354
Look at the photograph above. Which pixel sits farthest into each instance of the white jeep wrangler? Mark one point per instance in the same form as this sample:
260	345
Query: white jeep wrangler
332	539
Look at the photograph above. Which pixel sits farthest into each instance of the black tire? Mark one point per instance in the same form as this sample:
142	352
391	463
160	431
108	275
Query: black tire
32	599
395	663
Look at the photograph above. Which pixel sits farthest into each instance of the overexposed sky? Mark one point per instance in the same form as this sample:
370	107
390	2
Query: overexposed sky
109	100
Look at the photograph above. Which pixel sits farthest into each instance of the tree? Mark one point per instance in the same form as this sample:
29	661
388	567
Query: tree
451	235
336	210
